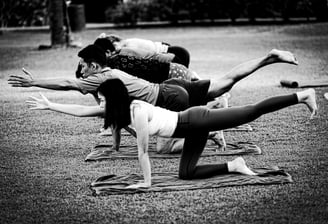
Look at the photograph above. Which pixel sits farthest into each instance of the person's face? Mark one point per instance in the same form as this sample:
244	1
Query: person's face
102	103
108	53
87	69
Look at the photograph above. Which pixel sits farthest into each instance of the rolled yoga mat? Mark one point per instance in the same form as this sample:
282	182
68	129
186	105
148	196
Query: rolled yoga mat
303	84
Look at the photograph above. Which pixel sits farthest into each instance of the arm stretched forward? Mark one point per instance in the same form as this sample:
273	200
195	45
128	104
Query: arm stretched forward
72	109
27	80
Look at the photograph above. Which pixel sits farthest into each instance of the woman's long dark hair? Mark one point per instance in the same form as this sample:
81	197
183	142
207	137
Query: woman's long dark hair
117	109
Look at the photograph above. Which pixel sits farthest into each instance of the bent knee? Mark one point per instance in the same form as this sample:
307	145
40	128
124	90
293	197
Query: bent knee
185	175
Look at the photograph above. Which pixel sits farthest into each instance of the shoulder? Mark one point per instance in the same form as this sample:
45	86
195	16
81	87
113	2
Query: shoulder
141	111
138	105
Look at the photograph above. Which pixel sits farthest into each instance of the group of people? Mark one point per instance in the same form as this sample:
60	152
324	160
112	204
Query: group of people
147	88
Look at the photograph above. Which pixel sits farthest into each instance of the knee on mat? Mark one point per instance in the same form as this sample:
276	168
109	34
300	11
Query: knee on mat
185	175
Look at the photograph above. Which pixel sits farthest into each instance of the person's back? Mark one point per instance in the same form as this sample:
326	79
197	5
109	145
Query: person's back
151	70
144	45
161	57
162	122
137	88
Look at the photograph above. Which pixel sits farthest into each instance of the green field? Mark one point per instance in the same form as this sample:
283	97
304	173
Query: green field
43	176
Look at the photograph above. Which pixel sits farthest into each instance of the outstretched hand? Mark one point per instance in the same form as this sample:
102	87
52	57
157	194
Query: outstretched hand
21	81
38	103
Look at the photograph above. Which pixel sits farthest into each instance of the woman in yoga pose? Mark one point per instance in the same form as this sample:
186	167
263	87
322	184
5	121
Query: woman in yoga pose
147	49
152	69
193	124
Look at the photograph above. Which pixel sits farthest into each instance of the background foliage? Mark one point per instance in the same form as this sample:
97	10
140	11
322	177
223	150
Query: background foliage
34	12
193	10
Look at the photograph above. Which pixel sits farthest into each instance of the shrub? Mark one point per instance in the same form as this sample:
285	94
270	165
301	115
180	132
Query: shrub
23	13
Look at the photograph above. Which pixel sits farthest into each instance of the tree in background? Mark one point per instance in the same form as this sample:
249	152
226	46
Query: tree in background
56	15
320	9
14	13
95	11
60	26
17	13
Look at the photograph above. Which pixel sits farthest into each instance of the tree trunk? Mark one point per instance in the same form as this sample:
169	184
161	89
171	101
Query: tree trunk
56	15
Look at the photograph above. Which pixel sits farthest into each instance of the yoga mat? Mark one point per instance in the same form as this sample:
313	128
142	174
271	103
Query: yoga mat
244	127
296	84
165	182
131	152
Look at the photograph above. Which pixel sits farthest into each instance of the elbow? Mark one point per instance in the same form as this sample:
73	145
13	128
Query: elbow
142	154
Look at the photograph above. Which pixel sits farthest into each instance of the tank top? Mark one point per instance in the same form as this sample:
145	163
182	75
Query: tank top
163	122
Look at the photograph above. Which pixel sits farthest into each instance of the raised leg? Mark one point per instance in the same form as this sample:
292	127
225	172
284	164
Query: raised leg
201	118
225	83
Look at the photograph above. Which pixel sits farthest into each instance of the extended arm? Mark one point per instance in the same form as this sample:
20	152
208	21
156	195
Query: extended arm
55	84
72	109
141	118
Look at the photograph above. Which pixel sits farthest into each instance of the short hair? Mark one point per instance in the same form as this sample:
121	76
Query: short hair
117	109
93	53
104	44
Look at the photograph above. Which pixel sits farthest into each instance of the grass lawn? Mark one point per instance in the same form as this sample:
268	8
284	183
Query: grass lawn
43	176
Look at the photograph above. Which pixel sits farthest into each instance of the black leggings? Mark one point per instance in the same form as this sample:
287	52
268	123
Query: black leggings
182	56
195	123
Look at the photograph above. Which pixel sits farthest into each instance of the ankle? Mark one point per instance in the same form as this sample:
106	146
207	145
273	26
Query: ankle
304	95
234	165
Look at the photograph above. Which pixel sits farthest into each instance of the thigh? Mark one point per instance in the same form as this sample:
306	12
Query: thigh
197	90
191	121
179	71
205	119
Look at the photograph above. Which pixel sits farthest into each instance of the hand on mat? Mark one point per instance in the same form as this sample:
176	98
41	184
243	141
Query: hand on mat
139	185
38	103
115	148
21	81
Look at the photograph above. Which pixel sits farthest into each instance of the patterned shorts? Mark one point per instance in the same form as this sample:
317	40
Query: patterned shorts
179	71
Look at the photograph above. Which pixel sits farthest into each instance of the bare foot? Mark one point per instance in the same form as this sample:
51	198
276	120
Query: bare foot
238	165
282	56
326	96
220	102
308	98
